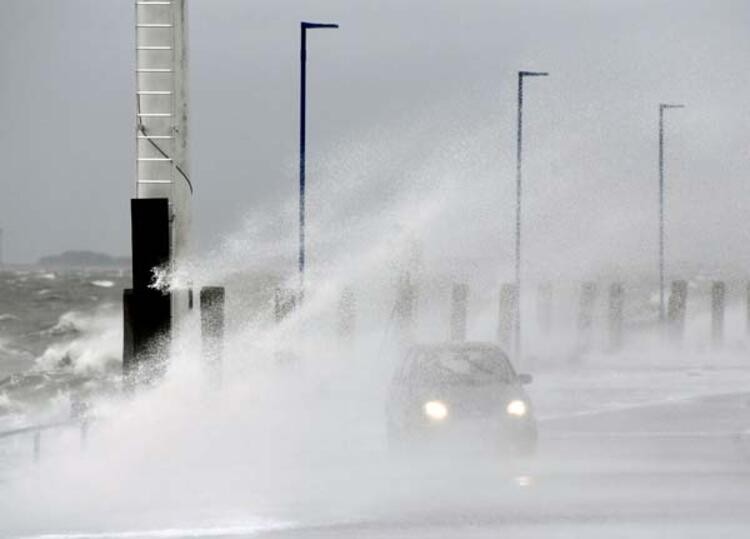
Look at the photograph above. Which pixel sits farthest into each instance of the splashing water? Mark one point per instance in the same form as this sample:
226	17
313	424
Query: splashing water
294	435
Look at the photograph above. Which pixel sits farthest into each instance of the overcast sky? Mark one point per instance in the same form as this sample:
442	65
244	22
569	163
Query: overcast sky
420	90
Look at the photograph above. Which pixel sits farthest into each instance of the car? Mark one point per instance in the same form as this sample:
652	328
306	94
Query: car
462	395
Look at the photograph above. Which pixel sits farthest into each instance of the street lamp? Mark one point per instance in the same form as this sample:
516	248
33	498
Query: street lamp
519	161
662	108
304	27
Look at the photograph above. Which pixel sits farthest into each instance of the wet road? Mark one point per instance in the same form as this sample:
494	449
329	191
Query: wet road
676	469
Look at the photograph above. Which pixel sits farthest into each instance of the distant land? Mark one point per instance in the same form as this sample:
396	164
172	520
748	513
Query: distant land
83	259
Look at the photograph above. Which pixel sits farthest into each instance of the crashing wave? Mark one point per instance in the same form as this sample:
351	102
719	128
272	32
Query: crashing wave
95	345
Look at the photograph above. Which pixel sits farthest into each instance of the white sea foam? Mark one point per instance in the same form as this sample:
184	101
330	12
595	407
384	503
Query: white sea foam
96	345
103	284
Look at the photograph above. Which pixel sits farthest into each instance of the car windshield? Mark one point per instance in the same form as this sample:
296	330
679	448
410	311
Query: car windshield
460	367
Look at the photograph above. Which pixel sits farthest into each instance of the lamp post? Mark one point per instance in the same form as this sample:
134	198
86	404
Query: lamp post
519	162
304	27
662	108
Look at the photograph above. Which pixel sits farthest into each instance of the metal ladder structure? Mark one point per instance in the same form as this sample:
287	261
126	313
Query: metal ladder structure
161	115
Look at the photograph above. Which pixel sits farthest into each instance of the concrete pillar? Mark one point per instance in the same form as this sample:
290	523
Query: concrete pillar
616	315
459	306
718	296
212	300
347	315
146	319
128	348
507	312
586	314
406	300
544	305
147	312
284	302
676	310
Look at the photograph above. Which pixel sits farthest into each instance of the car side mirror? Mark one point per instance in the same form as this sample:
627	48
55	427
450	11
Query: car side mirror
525	378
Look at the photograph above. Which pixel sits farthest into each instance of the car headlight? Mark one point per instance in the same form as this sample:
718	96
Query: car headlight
435	410
516	408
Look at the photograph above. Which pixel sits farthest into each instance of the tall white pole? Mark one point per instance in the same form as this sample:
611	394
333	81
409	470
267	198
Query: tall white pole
162	111
162	117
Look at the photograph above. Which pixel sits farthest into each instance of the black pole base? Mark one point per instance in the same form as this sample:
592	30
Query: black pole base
147	316
147	312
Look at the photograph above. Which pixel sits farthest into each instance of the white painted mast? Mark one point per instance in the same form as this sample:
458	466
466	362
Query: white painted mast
162	118
162	110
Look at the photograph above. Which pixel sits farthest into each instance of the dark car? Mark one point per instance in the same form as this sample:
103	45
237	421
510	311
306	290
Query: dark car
466	394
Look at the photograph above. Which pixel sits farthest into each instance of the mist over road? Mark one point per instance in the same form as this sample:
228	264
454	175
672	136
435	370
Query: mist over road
679	469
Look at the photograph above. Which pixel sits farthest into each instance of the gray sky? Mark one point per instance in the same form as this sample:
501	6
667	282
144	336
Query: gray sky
419	91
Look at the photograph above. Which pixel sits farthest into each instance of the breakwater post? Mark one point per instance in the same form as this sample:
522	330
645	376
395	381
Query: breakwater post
586	315
212	328
459	307
676	310
616	315
406	304
718	297
284	302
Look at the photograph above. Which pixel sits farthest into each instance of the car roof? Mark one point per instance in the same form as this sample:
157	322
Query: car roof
456	347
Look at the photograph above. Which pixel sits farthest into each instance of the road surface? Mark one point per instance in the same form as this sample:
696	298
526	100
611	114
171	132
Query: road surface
678	469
